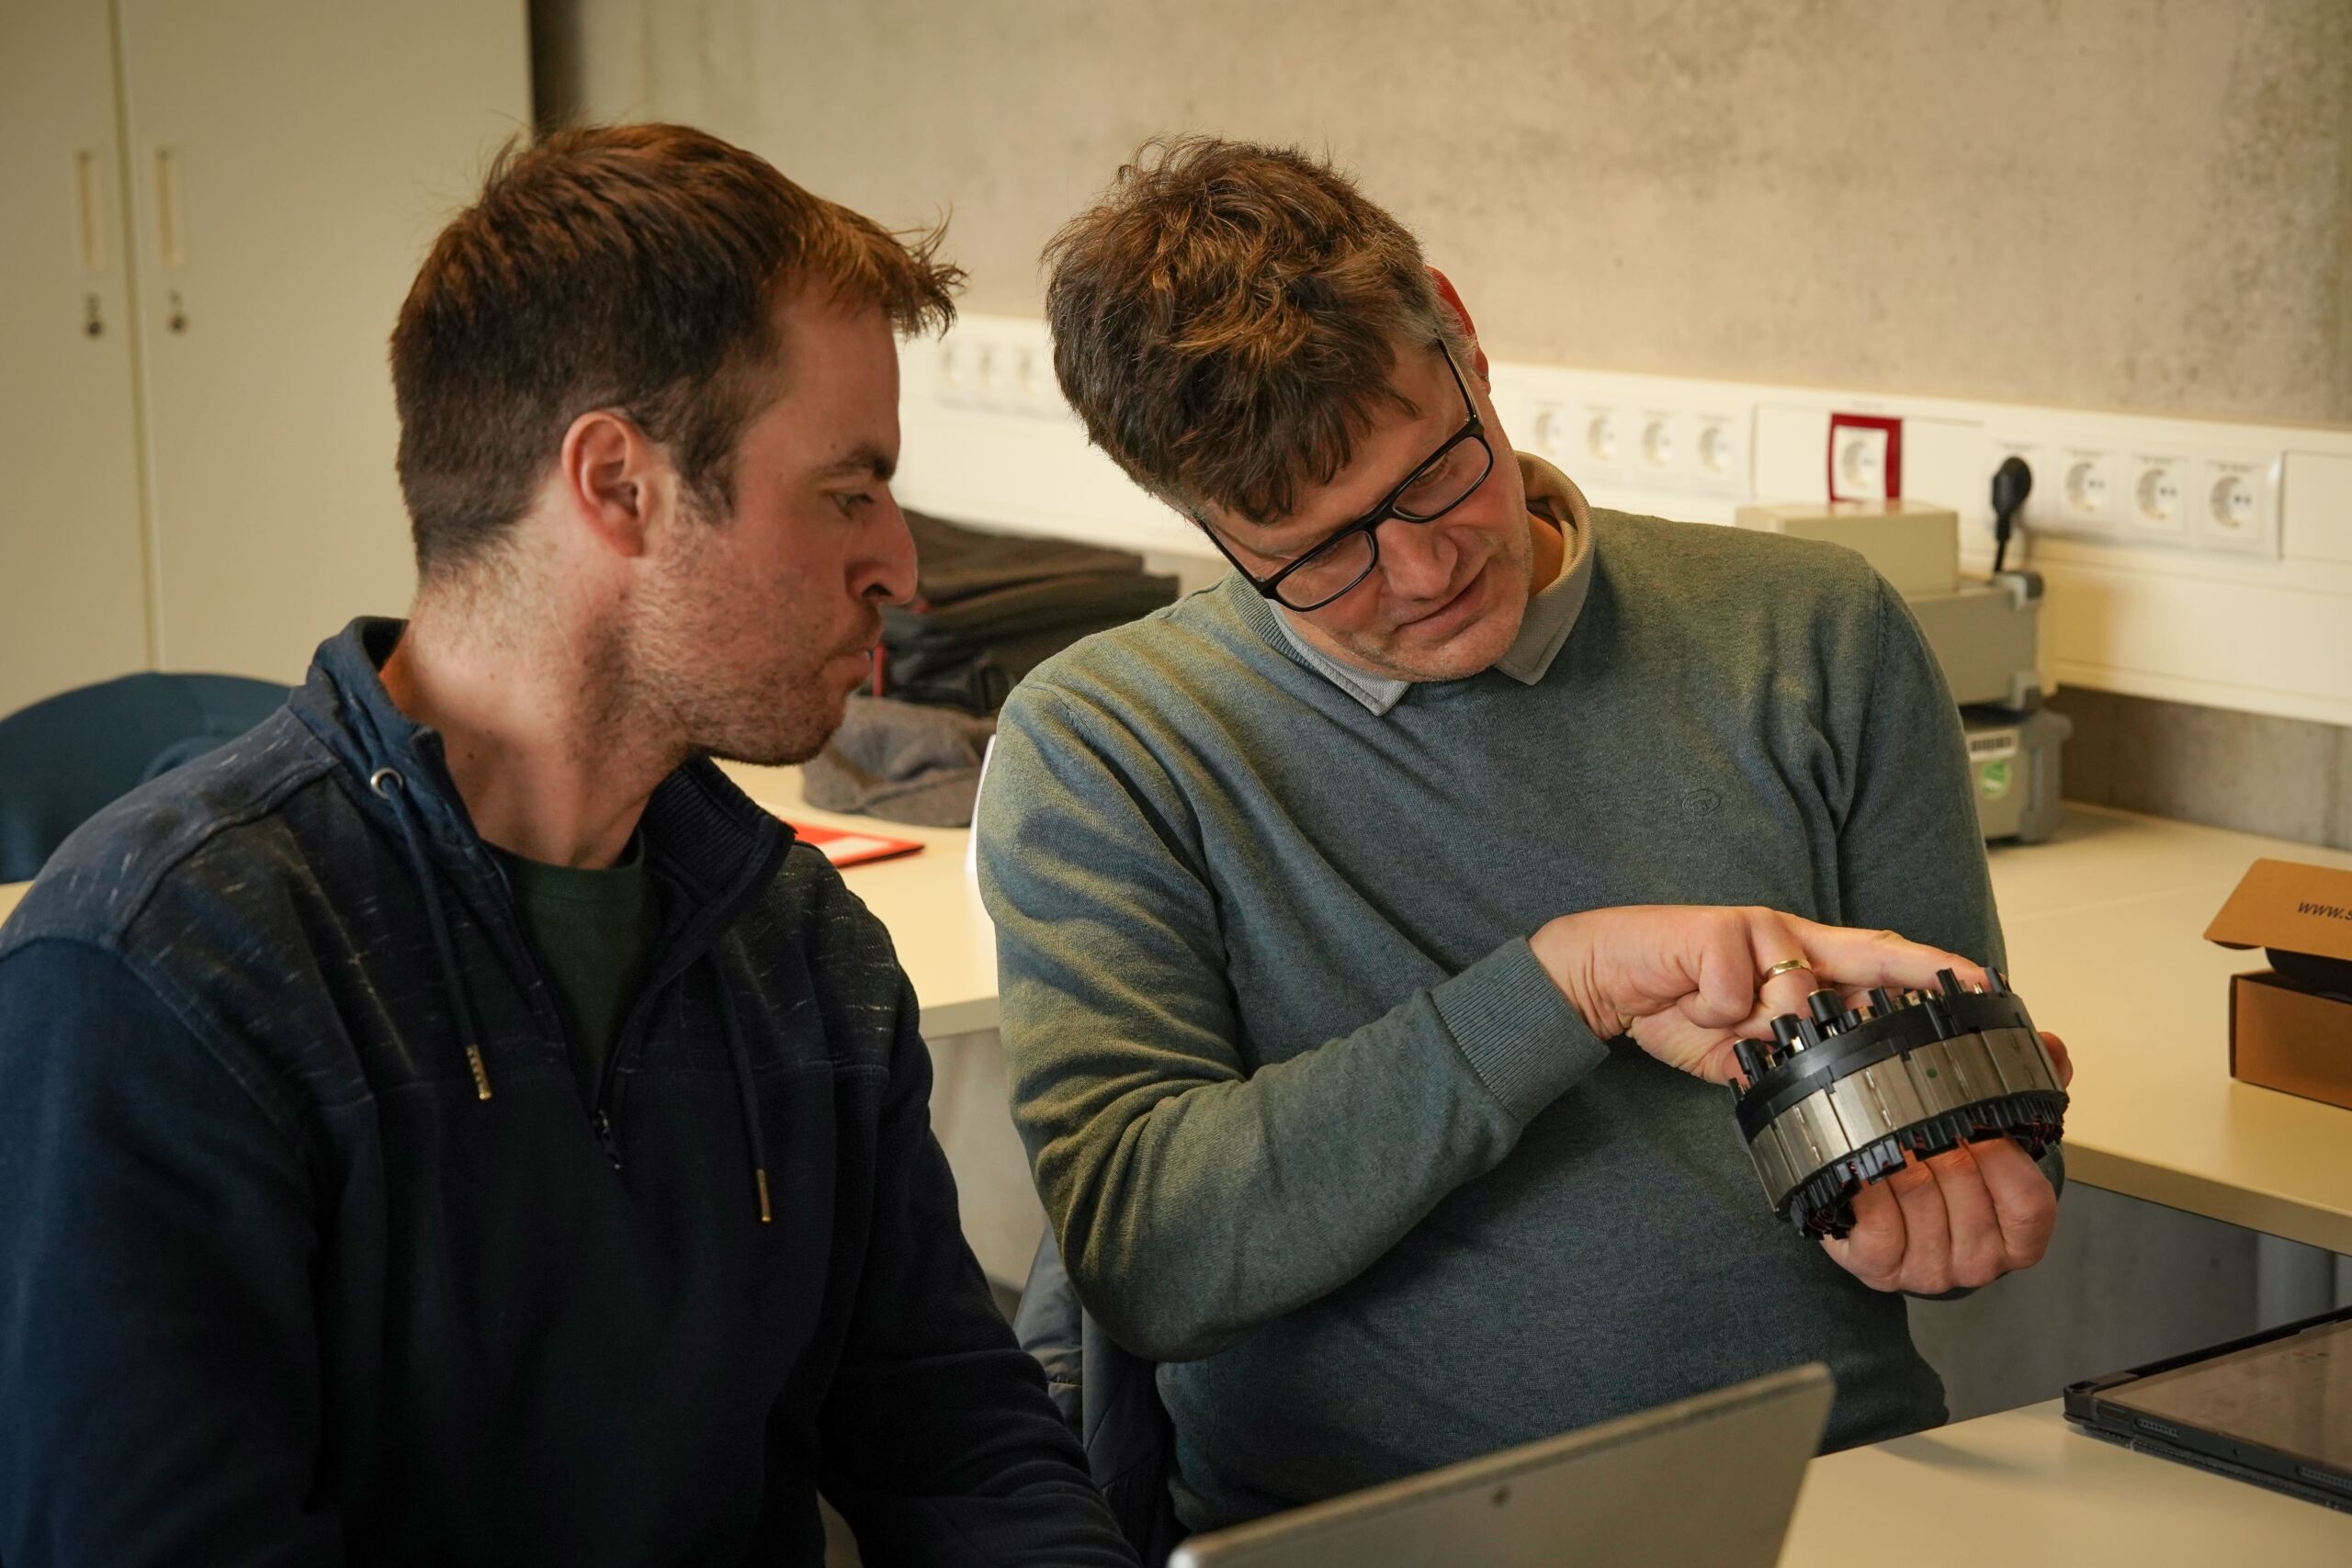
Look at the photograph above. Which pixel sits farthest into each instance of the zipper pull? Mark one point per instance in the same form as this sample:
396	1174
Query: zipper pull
603	1124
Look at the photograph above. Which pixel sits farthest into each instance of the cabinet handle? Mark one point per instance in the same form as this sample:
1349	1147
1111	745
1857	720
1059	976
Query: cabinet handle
89	190
168	226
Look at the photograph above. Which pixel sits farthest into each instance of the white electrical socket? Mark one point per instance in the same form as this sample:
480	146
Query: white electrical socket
1001	376
1025	384
977	374
1555	433
1021	377
1040	390
2084	500
1859	462
1715	448
2074	484
1604	439
1656	448
954	372
2233	504
2152	499
992	375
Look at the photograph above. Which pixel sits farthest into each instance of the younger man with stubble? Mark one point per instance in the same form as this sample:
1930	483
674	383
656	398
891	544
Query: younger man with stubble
453	1124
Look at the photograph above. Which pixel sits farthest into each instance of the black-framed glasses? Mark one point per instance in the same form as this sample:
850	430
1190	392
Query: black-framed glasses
1443	480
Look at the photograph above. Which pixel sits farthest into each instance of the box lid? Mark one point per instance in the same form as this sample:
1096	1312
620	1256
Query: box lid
1775	514
2288	906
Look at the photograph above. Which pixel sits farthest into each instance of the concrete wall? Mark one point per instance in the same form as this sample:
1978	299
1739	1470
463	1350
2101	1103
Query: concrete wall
2129	204
2283	777
2138	204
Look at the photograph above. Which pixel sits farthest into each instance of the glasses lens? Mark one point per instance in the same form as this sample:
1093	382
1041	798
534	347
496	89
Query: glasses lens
1447	482
1328	573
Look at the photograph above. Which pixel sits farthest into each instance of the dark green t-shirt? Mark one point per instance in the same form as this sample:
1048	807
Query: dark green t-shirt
593	931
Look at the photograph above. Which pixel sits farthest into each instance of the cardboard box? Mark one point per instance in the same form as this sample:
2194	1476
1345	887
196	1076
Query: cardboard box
2290	1025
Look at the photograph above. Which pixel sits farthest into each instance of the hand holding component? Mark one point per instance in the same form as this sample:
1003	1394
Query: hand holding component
1858	1090
1687	981
1963	1217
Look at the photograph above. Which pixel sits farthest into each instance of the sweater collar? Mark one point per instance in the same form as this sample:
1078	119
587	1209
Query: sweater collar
1551	613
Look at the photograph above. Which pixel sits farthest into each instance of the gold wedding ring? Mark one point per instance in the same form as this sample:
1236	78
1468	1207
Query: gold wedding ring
1784	966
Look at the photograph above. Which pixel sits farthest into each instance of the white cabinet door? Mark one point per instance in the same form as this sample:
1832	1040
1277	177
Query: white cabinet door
289	161
73	601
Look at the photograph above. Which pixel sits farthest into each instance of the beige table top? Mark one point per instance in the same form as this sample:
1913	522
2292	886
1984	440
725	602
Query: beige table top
2021	1489
2105	926
2105	931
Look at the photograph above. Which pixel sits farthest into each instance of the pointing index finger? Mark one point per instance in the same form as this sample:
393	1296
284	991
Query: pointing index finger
1853	959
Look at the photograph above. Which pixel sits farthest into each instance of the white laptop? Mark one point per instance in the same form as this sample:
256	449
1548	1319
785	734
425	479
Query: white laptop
1703	1482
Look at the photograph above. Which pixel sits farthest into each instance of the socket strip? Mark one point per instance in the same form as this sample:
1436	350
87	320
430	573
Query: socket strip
1655	436
997	373
1650	444
1691	445
2195	560
2176	495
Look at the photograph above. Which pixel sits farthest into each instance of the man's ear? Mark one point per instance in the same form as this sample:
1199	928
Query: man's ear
1453	299
611	480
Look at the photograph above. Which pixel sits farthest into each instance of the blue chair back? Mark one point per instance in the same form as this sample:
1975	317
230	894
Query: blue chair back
67	757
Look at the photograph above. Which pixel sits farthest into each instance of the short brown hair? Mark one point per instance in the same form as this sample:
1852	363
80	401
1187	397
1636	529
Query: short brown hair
1225	321
634	267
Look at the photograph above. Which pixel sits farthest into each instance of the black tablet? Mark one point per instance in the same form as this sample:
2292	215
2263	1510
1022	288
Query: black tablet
2275	1409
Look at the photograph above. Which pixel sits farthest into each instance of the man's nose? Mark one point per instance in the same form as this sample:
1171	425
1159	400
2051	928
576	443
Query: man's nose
890	574
1416	558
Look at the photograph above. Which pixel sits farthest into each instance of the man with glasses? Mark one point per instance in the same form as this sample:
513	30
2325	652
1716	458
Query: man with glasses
1438	483
1376	925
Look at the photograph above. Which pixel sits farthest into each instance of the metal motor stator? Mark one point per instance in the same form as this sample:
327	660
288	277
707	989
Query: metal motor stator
1836	1099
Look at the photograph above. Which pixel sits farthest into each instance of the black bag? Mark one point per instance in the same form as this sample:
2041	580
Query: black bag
990	607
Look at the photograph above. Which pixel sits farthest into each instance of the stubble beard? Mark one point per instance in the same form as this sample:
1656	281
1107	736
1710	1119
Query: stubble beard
769	716
702	665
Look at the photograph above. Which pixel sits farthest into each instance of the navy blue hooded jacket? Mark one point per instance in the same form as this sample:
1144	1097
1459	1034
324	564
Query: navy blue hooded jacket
312	1251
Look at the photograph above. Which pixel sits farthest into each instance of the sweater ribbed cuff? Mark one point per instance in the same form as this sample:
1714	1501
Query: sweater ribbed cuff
1516	1030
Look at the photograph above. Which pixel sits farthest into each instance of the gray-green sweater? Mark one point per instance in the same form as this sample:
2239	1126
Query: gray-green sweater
1310	1122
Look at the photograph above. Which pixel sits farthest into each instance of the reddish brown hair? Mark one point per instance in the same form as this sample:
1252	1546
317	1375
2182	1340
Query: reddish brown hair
1227	318
634	267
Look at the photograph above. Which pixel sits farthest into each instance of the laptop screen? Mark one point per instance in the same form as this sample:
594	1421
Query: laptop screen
2293	1395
